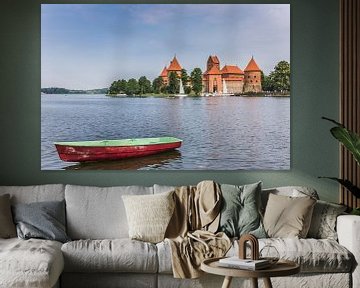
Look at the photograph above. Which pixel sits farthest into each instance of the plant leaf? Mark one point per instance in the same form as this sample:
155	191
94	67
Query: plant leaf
349	139
347	184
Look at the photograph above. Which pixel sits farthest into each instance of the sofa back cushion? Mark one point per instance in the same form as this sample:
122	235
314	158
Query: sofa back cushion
98	212
35	193
290	191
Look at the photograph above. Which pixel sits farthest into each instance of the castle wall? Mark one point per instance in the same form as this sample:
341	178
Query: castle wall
234	86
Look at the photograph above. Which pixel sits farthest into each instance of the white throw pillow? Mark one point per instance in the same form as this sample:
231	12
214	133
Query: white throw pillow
149	215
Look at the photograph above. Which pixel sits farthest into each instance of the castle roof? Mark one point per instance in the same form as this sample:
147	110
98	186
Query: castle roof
174	65
214	59
164	72
252	66
214	70
231	69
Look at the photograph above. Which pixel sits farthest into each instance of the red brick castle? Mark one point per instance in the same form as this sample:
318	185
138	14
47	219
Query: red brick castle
230	79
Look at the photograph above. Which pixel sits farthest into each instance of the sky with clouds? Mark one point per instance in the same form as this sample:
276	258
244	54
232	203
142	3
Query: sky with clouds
87	46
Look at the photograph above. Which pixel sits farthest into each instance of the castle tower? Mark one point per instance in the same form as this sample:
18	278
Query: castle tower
252	78
212	79
213	61
174	67
164	76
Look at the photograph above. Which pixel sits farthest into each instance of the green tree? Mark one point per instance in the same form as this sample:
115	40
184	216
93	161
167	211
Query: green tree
144	85
157	84
121	85
132	87
280	77
113	88
266	83
196	80
184	77
173	86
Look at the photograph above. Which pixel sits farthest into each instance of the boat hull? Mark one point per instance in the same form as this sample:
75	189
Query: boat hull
75	153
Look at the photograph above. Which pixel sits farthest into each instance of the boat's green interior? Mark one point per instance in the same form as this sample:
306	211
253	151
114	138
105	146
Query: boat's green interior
122	142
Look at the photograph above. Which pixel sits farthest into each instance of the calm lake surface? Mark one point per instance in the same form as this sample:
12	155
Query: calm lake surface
218	133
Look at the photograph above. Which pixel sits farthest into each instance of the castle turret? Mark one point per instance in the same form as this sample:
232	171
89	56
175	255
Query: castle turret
252	78
212	80
174	67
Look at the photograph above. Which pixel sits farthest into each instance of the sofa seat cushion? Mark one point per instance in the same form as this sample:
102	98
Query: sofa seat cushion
313	255
115	255
30	263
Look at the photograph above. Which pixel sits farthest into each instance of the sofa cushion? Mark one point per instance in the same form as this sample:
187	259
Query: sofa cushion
35	193
98	213
117	255
313	255
240	210
30	263
149	215
291	191
287	216
7	226
43	220
323	222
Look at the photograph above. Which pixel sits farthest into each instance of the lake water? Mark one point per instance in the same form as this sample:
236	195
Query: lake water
218	133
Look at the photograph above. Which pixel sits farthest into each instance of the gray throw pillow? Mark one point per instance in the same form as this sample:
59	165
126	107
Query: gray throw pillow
44	220
323	222
240	213
7	226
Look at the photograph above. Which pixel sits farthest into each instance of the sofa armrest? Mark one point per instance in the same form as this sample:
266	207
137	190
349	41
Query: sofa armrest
348	230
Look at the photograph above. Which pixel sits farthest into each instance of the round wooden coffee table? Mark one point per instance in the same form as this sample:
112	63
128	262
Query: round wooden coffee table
281	268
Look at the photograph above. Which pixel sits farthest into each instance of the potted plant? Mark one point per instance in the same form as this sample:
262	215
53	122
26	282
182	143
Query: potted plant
351	141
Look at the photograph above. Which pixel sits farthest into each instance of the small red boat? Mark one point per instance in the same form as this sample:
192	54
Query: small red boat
82	151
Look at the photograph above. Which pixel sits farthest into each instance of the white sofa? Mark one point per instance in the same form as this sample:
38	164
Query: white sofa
101	254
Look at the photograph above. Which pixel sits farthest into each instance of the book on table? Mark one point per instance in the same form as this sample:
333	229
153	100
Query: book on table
249	264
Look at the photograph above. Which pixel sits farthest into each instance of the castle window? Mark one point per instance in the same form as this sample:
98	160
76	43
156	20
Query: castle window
251	81
248	76
256	81
254	76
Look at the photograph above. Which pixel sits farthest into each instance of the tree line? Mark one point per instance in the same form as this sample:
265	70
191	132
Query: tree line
57	90
142	86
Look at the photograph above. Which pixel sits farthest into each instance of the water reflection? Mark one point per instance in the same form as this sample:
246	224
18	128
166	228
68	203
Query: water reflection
153	161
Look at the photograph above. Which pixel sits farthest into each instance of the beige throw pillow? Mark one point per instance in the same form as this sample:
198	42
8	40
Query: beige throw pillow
149	215
7	226
288	217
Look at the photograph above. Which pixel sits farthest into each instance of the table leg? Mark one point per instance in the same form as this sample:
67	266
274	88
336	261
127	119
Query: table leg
267	283
254	282
227	282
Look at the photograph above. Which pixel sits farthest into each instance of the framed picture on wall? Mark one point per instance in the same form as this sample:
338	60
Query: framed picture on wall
165	86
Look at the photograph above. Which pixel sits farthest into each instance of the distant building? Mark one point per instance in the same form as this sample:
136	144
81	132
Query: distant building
230	79
174	66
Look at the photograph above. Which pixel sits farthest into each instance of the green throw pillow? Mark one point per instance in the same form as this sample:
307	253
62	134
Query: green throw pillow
240	213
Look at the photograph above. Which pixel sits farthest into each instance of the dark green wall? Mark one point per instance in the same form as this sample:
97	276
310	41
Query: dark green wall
314	68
